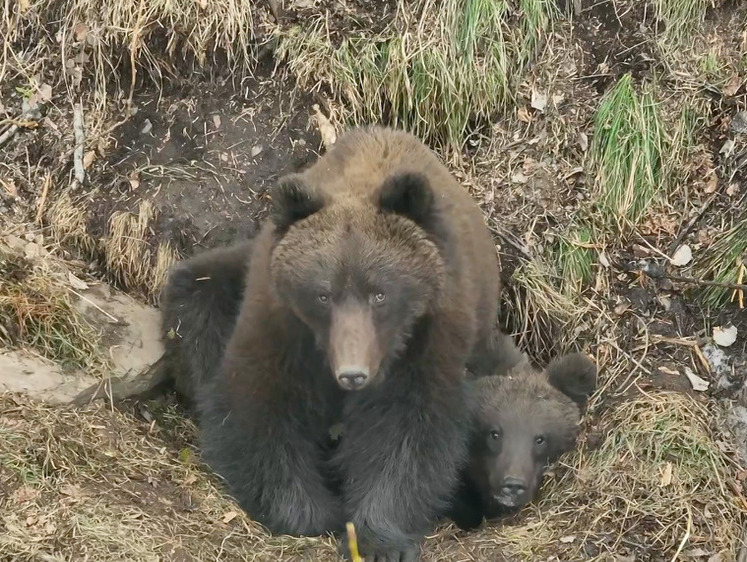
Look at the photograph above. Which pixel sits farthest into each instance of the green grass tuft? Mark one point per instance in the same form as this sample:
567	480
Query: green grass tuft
681	19
575	259
628	156
722	262
431	71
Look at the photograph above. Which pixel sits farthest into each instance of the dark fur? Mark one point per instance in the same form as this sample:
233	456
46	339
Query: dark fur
511	410
266	415
199	306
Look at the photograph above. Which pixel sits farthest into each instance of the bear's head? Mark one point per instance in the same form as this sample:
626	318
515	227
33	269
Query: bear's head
525	420
360	272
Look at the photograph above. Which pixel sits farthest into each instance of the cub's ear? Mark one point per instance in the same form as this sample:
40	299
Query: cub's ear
410	195
575	375
292	200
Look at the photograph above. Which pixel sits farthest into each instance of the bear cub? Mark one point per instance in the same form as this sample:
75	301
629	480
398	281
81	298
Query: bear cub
524	420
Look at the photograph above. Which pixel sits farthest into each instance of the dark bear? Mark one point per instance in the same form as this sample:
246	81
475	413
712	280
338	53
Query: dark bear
524	420
370	288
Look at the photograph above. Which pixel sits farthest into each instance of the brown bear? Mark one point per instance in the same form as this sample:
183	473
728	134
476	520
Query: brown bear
524	420
371	287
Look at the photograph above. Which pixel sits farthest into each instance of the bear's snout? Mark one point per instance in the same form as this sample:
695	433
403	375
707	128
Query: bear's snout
353	346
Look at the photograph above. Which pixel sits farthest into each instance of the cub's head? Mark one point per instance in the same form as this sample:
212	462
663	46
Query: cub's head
359	271
524	421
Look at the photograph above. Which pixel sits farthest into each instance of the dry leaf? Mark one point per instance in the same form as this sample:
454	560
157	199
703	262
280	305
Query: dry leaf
191	479
539	100
568	539
45	92
75	282
733	189
10	187
523	115
256	150
134	179
603	259
731	88
80	32
147	126
699	384
711	182
519	177
88	159
230	516
725	336
216	121
728	148
583	141
666	476
682	256
326	128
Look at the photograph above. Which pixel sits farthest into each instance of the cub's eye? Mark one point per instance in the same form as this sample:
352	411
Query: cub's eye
324	299
540	439
378	298
495	434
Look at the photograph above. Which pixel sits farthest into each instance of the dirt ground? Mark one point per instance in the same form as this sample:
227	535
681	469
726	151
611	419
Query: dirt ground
202	153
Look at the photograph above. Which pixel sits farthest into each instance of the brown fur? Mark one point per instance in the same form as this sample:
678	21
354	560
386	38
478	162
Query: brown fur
378	210
513	413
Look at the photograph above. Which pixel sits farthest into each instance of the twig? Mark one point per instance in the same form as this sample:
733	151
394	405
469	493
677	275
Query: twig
28	116
694	281
80	139
509	239
43	198
685	231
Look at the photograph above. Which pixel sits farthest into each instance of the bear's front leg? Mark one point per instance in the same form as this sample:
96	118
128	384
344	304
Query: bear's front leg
400	455
272	462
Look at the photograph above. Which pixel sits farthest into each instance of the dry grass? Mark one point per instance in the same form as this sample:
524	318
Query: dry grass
124	490
127	490
132	259
432	70
98	40
36	312
724	261
681	19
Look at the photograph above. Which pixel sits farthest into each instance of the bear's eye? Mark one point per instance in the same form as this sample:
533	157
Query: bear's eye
495	434
324	299
540	439
378	298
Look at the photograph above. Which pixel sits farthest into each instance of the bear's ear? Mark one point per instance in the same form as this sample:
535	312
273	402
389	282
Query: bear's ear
575	375
292	200
410	195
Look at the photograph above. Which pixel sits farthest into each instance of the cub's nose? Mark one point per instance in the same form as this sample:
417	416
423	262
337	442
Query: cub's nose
352	379
513	487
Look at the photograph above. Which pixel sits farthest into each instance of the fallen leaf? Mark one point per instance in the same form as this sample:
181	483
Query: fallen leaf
134	179
326	128
733	189
45	92
75	282
519	177
711	182
725	336
698	384
539	100
147	126
216	121
603	259
88	159
666	475
256	150
682	256
583	142
10	187
191	479
728	147
732	86
568	539
523	115
80	32
230	516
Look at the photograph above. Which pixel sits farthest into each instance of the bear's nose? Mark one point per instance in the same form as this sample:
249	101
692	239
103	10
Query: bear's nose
352	379
513	487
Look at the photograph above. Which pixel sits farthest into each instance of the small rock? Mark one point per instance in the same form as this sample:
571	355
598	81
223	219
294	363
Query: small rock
739	122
